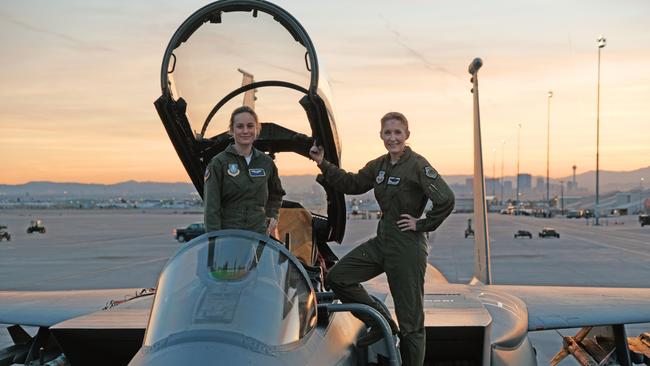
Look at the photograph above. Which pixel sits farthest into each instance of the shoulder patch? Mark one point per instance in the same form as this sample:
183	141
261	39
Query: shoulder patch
430	172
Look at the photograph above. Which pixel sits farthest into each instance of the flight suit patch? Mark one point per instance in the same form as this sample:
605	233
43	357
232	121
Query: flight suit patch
206	175
430	172
380	177
257	172
393	181
233	169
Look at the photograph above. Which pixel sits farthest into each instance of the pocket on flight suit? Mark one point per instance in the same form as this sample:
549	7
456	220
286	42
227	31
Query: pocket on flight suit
259	190
233	176
437	191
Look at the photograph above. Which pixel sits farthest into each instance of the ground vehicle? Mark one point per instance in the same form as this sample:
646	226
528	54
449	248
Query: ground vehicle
4	234
189	233
549	232
544	212
469	231
573	214
523	233
587	213
36	226
644	220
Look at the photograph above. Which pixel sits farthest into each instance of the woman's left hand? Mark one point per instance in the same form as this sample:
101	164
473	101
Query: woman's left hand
271	229
407	222
316	153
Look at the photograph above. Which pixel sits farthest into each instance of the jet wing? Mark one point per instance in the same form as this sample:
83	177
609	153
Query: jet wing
46	308
551	307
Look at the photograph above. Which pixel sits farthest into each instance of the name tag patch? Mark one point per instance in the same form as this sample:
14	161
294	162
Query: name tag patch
233	169
257	172
380	177
393	181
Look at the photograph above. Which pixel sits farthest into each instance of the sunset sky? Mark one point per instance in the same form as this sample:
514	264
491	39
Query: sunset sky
79	78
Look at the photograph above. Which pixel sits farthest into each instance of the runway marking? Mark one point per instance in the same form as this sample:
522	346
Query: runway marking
84	274
622	238
610	246
103	241
614	234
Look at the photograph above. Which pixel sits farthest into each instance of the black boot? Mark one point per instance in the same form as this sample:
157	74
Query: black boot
375	333
389	319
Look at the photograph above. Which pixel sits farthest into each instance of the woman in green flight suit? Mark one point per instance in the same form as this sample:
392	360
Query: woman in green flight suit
403	181
242	187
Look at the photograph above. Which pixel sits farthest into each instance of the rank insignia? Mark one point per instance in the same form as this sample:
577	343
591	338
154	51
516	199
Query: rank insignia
430	172
206	175
393	181
233	169
380	177
257	172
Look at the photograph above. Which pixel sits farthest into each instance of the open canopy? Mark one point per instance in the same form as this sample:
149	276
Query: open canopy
234	53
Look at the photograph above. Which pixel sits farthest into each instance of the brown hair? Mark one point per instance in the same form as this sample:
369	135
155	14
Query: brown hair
245	109
395	115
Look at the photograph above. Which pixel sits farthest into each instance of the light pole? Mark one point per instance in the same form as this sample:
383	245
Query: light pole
562	196
503	145
601	43
548	142
494	176
518	148
641	196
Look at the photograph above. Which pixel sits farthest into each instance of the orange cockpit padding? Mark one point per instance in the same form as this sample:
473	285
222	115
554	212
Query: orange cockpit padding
298	223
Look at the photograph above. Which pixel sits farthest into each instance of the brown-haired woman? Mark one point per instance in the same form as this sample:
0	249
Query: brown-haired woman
403	181
242	188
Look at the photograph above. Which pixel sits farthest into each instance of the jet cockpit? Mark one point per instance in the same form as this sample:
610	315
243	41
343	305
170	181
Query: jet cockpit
235	289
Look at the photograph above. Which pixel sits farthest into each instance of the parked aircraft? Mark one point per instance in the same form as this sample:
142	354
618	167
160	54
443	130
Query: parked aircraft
233	297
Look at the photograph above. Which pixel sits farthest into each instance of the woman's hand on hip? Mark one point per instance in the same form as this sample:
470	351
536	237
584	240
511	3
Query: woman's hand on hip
316	153
407	223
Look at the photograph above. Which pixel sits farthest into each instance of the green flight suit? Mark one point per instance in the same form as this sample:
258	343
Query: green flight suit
402	188
237	195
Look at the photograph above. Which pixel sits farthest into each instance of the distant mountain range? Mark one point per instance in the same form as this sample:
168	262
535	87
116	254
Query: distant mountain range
79	190
609	181
128	189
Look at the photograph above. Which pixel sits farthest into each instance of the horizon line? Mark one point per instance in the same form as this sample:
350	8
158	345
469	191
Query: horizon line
310	175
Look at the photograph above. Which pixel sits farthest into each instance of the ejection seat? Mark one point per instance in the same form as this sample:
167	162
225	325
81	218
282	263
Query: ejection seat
305	235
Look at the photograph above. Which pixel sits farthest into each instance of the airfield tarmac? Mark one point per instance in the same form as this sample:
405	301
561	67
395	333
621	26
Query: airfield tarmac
85	249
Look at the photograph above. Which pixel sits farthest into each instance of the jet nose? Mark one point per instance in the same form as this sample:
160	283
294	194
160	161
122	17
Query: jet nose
201	351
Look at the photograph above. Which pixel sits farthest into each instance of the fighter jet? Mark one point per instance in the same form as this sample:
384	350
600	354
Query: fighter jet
234	297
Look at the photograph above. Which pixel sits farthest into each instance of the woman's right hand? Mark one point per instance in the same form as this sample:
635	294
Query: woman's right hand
316	153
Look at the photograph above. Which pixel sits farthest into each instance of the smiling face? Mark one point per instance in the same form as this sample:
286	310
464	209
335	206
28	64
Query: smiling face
244	129
394	133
